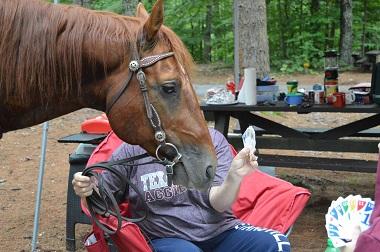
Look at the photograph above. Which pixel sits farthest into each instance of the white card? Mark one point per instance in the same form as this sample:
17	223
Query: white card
249	138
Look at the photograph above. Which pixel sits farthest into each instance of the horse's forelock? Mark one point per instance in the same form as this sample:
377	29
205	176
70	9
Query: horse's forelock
181	53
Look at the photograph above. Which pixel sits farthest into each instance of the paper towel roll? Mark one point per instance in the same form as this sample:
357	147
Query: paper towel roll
248	92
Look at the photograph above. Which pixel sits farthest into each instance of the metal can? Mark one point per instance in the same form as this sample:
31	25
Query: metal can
319	97
311	96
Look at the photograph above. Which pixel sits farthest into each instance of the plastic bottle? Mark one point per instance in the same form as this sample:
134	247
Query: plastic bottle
330	247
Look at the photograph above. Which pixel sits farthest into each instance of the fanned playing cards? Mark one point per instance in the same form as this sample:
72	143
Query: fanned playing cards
249	138
344	215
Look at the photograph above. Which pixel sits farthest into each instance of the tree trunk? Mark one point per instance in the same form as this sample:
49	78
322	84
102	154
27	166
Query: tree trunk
282	28
130	7
364	26
315	6
200	52
346	32
253	36
207	35
84	3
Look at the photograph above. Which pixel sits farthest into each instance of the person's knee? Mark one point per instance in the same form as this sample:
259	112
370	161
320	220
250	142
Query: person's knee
262	239
280	243
174	245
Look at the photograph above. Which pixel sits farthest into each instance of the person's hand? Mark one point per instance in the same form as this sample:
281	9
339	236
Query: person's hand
244	163
83	186
350	246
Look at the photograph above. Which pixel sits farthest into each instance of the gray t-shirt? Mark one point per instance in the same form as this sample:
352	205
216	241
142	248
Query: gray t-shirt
173	211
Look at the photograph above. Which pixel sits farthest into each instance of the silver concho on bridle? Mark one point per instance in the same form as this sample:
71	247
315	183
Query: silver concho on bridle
134	65
160	136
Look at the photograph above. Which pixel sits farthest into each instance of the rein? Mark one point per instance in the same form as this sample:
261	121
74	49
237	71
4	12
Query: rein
103	202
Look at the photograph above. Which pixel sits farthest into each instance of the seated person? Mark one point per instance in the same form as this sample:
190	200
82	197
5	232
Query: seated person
182	219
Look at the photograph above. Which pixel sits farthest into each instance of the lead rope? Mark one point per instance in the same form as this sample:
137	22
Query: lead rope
103	203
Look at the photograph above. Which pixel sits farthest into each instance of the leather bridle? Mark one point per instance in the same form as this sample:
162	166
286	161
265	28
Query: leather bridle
103	202
137	66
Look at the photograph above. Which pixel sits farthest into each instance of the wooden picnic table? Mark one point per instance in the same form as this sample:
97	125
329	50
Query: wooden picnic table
357	136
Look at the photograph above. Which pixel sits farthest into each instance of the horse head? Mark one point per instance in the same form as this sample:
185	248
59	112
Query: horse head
169	90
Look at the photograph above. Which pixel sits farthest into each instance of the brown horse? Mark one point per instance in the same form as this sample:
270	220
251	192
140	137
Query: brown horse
55	59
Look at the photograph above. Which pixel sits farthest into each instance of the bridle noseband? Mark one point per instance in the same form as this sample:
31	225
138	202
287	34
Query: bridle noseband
137	66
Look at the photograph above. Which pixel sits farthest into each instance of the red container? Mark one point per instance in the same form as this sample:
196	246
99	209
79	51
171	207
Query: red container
339	100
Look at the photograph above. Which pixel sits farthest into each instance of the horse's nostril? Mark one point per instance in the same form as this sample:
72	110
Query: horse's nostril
210	172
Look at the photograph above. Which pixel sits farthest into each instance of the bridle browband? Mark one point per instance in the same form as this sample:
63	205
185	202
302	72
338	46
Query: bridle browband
103	202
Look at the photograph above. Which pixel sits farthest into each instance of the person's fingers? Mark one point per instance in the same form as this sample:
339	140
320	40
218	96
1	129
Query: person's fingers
79	177
86	194
254	164
83	191
81	184
252	157
356	232
243	153
252	152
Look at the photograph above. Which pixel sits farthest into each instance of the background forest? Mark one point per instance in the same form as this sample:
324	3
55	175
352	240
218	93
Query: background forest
299	31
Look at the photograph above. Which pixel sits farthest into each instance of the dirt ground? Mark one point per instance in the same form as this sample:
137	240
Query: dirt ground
20	155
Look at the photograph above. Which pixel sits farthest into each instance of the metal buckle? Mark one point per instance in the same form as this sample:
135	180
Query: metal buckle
170	173
175	160
169	168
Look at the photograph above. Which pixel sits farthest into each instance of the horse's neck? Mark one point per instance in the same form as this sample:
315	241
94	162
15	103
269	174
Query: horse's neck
13	117
107	53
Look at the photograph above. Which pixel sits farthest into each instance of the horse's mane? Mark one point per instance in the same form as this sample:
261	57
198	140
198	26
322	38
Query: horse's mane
42	46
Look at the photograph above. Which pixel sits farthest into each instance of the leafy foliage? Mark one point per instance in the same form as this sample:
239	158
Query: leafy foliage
299	31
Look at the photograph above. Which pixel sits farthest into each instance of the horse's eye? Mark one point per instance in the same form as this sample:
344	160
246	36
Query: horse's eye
169	87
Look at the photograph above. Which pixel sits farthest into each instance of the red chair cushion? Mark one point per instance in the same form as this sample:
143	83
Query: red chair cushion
97	125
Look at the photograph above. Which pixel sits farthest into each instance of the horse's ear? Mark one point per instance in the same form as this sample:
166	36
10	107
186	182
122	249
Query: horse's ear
155	20
141	11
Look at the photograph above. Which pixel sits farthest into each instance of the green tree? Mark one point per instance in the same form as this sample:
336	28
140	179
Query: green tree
298	31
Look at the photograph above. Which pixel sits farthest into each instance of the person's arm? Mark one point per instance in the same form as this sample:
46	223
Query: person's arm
222	196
